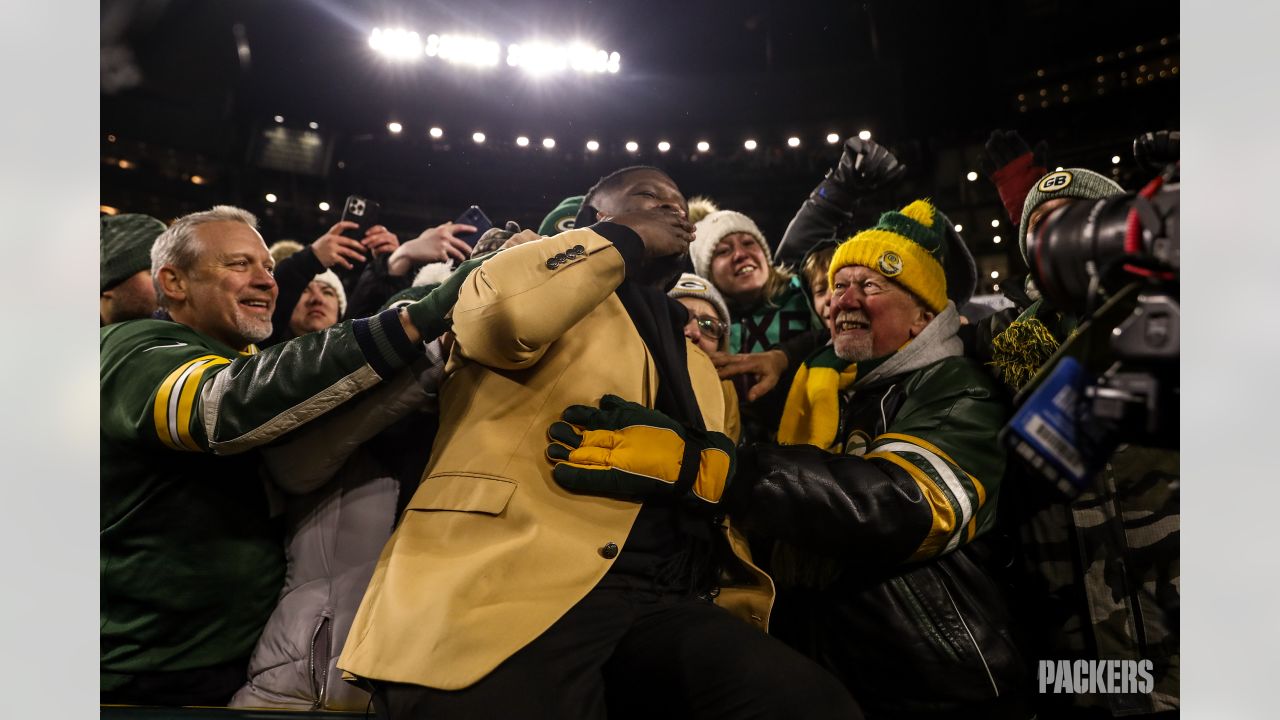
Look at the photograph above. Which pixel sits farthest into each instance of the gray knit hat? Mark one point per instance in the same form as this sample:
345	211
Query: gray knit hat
690	285
716	226
1069	183
125	246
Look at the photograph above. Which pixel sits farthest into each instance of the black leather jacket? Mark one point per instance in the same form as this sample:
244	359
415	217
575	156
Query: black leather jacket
908	634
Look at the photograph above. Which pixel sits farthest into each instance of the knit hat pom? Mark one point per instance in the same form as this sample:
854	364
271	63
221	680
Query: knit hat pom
700	207
920	211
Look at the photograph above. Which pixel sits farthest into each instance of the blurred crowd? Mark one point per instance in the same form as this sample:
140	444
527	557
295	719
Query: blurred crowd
640	460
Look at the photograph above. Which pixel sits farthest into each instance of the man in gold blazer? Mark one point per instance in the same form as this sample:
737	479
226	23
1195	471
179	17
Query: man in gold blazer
504	594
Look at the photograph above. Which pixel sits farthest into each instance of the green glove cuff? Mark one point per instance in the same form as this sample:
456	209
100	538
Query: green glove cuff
429	314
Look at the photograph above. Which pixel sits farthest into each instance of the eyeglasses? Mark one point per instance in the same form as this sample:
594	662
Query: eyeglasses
713	328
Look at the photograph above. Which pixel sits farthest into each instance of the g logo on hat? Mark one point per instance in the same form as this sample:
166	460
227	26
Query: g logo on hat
692	284
565	223
1054	181
889	263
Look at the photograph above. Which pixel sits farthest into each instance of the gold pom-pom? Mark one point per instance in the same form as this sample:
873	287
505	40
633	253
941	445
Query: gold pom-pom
920	211
700	207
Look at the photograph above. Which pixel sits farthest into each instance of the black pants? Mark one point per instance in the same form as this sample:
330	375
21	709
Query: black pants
622	654
203	686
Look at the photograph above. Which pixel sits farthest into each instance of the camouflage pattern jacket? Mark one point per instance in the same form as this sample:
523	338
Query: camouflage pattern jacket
1101	578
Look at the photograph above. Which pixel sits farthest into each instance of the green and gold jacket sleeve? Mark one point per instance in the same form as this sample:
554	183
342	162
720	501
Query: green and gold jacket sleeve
944	439
170	386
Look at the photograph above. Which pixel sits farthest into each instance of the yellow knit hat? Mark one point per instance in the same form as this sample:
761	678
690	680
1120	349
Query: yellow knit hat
909	246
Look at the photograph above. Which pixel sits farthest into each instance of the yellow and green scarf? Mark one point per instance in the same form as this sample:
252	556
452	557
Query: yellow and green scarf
811	415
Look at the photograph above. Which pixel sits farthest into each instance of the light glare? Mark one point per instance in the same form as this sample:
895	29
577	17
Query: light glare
793	141
995	222
864	134
548	143
972	176
704	146
396	43
324	206
271	197
436	132
395	127
833	138
592	145
463	49
478	137
522	141
750	144
632	146
664	146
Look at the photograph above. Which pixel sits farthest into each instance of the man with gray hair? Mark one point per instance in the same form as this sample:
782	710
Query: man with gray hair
191	560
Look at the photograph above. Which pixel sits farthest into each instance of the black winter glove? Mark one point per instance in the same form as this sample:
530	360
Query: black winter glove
864	168
1154	151
1013	167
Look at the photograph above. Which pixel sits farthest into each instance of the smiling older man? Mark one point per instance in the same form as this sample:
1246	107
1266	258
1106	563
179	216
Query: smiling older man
191	563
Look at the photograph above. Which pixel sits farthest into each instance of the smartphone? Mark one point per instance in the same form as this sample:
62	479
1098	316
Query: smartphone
361	211
473	216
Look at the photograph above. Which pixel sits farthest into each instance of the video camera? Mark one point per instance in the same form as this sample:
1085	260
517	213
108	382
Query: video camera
1114	263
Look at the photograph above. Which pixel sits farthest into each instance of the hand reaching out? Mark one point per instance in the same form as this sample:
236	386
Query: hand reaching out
437	244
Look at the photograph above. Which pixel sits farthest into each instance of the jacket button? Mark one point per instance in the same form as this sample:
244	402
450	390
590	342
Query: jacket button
552	263
575	251
609	551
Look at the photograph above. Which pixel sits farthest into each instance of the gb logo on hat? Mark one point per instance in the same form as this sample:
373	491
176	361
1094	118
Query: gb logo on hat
1055	181
889	264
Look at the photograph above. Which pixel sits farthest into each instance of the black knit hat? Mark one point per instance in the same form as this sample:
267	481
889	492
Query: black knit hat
125	246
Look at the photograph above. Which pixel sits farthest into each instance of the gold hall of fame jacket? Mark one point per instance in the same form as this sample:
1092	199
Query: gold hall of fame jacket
491	551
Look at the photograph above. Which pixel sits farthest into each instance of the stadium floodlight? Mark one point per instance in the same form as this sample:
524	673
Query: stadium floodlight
313	125
478	137
703	146
396	43
959	227
593	145
996	239
750	145
864	134
324	206
522	141
271	197
971	176
463	49
548	143
395	127
833	138
664	146
632	146
543	58
793	141
436	133
278	118
995	222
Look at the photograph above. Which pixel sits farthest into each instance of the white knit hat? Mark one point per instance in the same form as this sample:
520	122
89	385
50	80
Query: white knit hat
716	226
329	278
